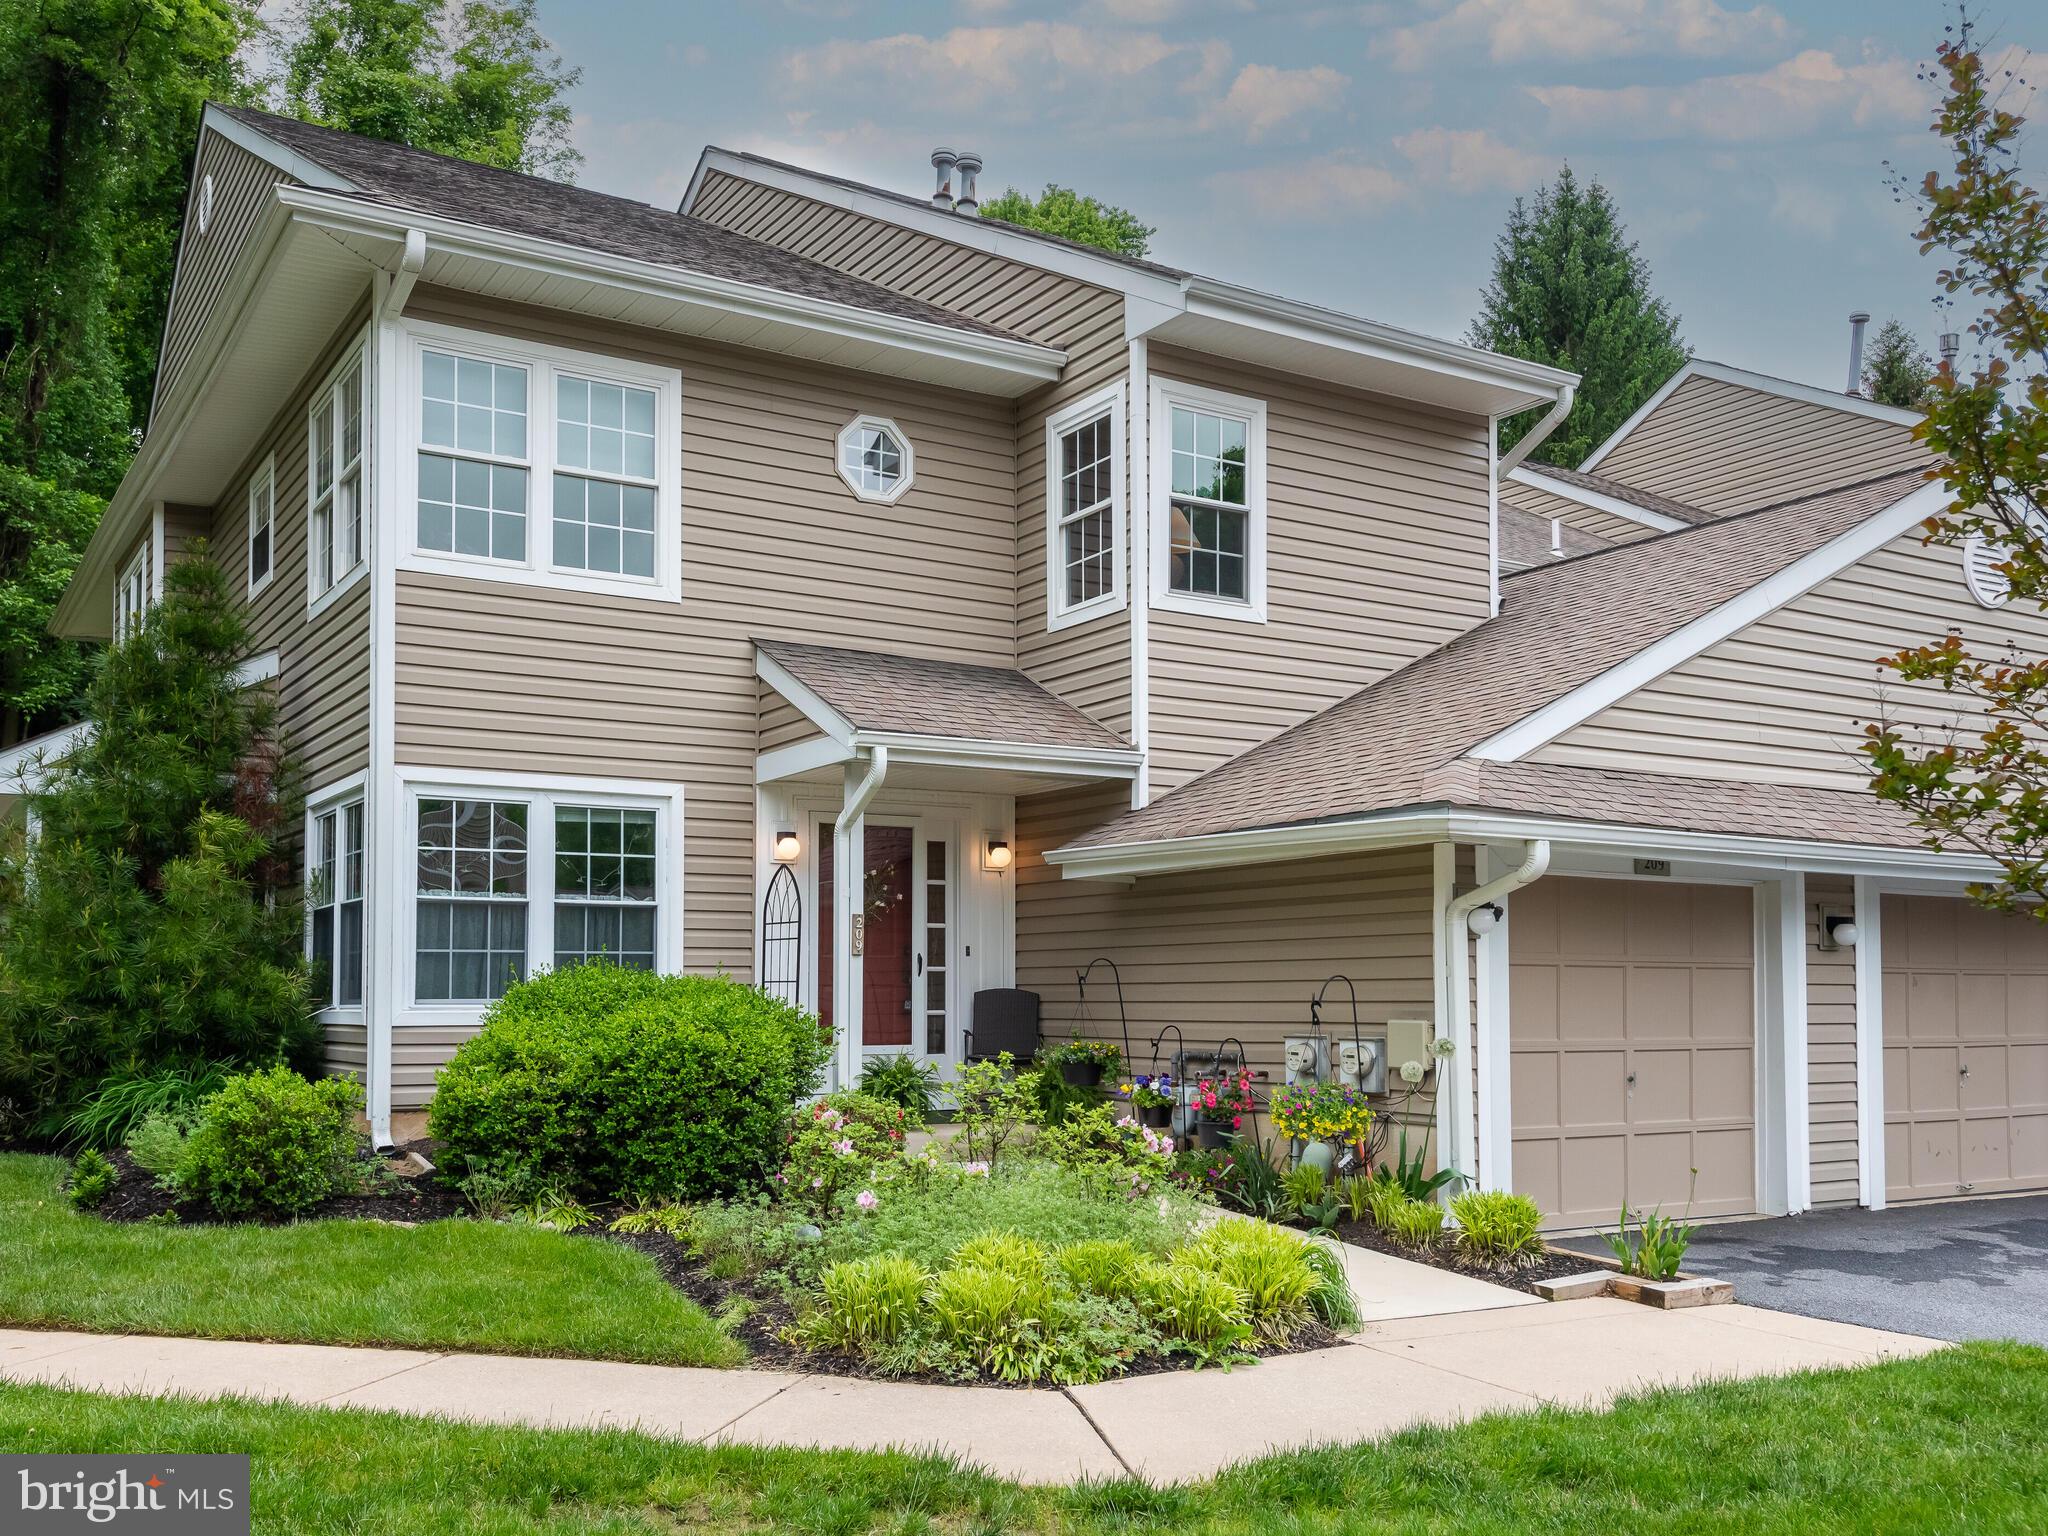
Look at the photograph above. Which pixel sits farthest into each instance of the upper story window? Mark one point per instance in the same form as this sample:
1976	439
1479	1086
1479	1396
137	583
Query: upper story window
1084	509
262	525
499	423
1209	493
875	458
334	525
131	593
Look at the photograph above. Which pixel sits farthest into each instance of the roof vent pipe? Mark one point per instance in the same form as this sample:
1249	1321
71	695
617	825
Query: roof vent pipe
943	161
1950	344
1856	323
969	166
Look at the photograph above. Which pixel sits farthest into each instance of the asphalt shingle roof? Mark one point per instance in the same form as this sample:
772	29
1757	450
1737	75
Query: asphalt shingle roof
1561	624
399	175
879	691
1649	501
1525	540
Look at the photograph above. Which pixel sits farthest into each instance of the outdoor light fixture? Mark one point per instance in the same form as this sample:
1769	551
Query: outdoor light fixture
787	847
1837	930
998	855
1485	919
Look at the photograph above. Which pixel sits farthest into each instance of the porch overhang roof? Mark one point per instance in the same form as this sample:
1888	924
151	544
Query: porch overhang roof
931	715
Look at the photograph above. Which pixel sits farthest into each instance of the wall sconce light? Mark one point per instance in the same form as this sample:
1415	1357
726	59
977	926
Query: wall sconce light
1837	930
787	847
998	855
1484	919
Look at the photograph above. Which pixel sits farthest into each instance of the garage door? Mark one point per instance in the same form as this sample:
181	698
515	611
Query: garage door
1632	1037
1965	1049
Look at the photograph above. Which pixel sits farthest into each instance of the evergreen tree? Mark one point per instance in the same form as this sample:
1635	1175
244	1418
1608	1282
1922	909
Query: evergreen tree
1064	212
1570	290
155	919
1895	370
474	79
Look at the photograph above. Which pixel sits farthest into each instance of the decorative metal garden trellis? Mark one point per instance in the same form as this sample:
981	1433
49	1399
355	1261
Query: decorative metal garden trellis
782	937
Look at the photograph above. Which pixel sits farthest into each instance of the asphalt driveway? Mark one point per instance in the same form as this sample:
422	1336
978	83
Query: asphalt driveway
1964	1269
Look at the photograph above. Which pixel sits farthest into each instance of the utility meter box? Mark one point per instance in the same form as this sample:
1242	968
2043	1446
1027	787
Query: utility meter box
1362	1062
1304	1060
1408	1040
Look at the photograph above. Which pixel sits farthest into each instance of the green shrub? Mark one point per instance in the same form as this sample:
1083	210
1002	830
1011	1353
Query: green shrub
1114	1152
996	1106
158	1143
1414	1223
904	1081
836	1143
617	1082
867	1303
152	920
1497	1227
996	1317
271	1141
1268	1265
1102	1267
92	1179
124	1099
1194	1303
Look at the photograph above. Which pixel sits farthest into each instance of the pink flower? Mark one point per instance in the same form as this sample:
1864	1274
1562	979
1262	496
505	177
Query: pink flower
818	1182
866	1200
843	1146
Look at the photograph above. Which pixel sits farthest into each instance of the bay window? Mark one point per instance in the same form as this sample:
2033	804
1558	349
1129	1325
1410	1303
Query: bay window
334	903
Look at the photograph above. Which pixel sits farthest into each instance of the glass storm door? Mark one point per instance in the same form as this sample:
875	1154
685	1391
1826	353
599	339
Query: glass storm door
904	948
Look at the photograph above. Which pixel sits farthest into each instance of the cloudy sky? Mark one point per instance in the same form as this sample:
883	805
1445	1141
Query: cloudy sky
1361	156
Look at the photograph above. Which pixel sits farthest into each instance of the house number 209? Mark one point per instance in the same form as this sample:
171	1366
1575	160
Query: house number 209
860	933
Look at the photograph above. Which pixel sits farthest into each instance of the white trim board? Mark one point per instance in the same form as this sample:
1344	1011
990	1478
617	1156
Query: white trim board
1763	383
1682	644
1599	501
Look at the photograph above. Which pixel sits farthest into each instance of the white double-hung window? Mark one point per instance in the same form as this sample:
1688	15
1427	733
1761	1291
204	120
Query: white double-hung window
336	544
262	525
1208	487
515	875
536	464
1084	509
334	897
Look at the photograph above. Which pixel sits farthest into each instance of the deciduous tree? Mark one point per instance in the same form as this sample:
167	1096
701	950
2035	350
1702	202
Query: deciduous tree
1064	212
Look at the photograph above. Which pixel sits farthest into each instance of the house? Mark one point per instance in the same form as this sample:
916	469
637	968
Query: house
629	576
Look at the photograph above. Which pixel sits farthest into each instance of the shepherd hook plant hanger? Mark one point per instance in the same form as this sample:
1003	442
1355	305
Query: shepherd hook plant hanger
1123	1017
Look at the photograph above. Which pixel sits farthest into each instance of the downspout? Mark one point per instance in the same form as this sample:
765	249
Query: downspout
1462	1154
848	850
1561	408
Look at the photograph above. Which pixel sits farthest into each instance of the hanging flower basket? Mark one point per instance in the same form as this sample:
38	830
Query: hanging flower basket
1082	1062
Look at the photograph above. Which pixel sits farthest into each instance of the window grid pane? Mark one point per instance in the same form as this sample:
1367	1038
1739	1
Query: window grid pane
477	409
872	459
605	886
470	939
604	526
1087	556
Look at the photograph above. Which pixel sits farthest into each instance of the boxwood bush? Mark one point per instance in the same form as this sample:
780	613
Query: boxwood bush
617	1083
271	1141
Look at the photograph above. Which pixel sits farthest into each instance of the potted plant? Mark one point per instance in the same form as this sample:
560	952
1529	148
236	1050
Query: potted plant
1082	1062
1222	1102
1321	1116
1152	1096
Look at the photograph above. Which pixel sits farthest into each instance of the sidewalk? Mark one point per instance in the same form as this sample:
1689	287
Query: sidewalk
1444	1367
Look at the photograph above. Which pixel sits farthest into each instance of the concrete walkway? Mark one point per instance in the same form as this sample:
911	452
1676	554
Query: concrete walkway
1443	1367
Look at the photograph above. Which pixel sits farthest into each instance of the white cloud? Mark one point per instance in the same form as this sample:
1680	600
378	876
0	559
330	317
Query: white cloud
1263	97
962	67
1806	208
1511	31
1471	160
1333	186
1809	92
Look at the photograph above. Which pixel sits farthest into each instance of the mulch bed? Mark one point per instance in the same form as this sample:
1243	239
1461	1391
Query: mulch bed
1518	1277
408	1197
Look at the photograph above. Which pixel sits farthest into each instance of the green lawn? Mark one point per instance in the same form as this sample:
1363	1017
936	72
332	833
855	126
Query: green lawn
1951	1442
448	1285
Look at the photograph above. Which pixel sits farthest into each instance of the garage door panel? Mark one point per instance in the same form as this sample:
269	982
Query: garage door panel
1934	1155
2026	1005
1594	1170
1594	922
1898	1084
1723	924
1726	1160
1984	940
1724	1003
2030	1149
1981	1007
1592	1002
2028	1072
1662	1092
1660	1168
1537	1171
1724	1084
1984	1085
1659	1002
1534	990
1931	1006
1932	1083
1593	1089
1987	1151
1929	929
1533	1081
1659	920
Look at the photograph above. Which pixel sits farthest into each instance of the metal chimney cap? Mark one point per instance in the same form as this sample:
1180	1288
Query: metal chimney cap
1860	317
944	156
968	160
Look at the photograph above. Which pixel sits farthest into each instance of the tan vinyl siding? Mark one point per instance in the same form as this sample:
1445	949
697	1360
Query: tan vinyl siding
493	676
1785	699
1725	447
1830	1049
1377	551
323	663
781	722
1089	664
1575	514
184	528
241	192
1222	952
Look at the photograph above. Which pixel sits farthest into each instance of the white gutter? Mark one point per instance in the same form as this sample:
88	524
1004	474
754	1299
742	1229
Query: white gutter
847	849
554	258
1562	408
1462	1149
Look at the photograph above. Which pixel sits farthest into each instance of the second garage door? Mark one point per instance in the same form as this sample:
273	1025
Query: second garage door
1965	1049
1632	1038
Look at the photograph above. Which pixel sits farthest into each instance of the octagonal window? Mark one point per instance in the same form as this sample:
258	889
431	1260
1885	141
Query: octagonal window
875	458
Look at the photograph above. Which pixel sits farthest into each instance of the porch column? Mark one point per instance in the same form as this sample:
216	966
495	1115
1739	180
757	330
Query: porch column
849	882
1870	1169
